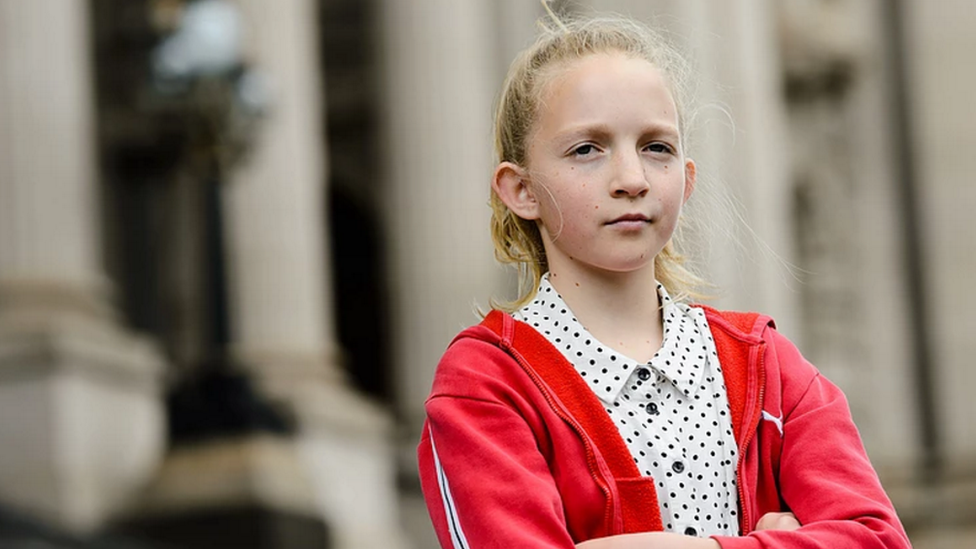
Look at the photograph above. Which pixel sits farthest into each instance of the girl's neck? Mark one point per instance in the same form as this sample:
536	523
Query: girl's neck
621	310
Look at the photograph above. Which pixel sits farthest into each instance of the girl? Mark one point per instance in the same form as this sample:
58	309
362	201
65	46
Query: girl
600	410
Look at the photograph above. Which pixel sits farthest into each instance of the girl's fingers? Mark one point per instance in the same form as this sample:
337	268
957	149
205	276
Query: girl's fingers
778	521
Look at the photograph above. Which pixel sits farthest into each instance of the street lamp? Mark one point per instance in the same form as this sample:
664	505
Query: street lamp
198	73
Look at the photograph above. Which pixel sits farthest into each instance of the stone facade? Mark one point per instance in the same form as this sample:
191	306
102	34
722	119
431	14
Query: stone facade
353	245
79	393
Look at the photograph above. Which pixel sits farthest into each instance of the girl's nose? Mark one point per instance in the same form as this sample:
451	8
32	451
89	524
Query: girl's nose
629	178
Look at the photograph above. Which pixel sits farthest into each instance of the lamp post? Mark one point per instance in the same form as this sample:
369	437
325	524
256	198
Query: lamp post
233	473
198	73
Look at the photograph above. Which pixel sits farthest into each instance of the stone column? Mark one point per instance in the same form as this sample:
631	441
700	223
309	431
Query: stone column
938	57
79	396
938	72
280	284
738	54
281	307
440	80
858	325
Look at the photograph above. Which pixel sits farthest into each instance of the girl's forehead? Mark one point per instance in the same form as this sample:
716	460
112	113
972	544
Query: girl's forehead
614	81
557	73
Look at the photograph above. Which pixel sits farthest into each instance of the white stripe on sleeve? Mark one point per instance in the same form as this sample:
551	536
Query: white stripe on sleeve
453	523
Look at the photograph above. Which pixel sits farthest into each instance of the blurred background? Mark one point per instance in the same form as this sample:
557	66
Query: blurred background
236	236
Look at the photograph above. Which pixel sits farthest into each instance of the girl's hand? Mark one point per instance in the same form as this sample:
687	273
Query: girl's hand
778	521
665	540
657	540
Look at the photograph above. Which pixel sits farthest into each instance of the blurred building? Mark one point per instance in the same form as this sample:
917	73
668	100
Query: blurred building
229	264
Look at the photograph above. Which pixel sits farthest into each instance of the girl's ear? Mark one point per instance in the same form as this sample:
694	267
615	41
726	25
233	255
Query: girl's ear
691	173
510	183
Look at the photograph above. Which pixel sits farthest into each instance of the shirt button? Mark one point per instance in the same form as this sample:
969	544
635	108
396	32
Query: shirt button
644	374
678	467
651	409
690	531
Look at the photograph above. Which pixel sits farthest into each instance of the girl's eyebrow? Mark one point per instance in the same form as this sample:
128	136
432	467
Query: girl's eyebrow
603	131
598	132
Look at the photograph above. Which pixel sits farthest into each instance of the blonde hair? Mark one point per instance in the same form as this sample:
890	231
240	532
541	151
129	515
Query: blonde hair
518	241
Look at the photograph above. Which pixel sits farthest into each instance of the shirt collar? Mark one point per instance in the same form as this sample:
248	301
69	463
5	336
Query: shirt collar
684	353
679	362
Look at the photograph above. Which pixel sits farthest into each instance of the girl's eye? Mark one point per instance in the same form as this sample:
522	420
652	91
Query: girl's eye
660	148
584	150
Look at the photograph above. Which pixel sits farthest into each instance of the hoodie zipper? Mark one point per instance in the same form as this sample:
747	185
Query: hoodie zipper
744	503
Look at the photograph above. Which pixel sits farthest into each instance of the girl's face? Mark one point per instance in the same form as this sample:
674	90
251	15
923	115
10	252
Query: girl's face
605	166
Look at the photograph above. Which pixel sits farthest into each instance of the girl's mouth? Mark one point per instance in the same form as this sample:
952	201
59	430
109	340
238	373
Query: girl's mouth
635	219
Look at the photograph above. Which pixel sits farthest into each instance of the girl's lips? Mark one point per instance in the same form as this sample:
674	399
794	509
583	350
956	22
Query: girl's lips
630	222
630	219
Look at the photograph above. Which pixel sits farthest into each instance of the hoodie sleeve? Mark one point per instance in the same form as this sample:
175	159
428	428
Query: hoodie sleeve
825	477
484	477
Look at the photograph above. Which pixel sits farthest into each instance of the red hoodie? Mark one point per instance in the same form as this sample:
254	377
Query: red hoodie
517	451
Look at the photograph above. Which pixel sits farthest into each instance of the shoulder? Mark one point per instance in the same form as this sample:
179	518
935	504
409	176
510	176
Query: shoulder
747	327
738	332
744	325
479	364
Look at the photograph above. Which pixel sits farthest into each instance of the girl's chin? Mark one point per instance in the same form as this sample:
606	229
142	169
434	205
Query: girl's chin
624	266
619	262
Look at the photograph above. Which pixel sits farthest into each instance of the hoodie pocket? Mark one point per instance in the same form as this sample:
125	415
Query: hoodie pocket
638	505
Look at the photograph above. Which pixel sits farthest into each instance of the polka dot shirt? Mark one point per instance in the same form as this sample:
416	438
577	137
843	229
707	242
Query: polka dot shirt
673	411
